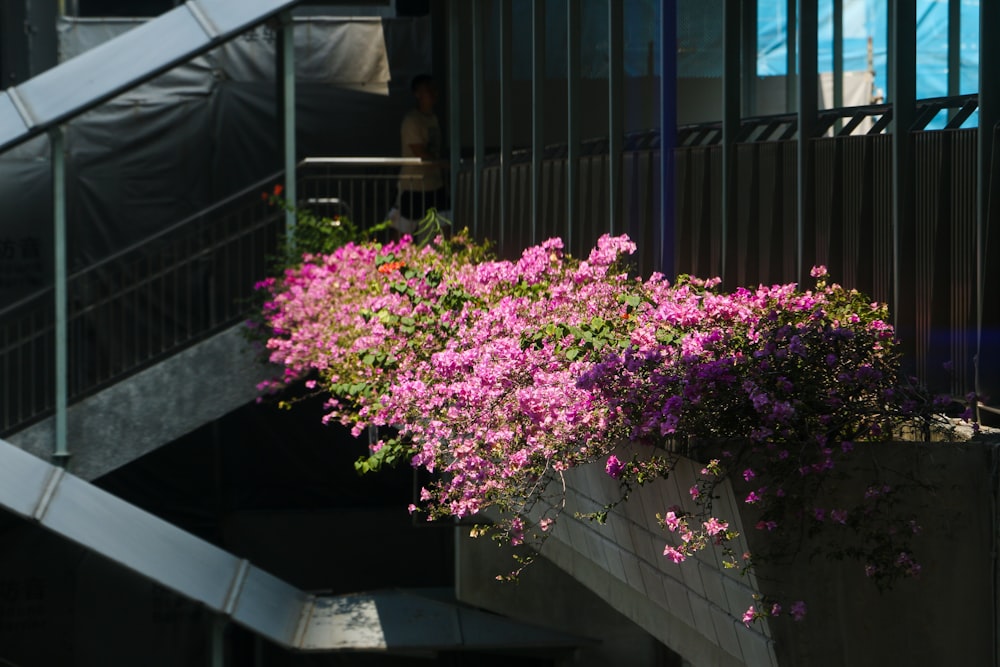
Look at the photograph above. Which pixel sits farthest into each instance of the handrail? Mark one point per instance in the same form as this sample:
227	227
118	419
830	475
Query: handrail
159	234
169	290
927	108
370	162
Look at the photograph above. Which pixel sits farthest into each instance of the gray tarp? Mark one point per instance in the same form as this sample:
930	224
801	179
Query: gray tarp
200	132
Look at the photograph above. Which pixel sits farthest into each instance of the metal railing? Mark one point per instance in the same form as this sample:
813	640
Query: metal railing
869	119
138	306
364	189
175	288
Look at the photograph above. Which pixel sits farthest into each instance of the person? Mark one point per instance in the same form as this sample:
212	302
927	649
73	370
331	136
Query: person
421	186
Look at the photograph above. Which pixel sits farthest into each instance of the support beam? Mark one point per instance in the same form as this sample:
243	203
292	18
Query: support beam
506	124
807	102
454	99
666	245
748	56
791	55
287	72
537	113
954	51
218	642
478	117
616	125
60	453
903	95
730	130
838	55
572	120
987	269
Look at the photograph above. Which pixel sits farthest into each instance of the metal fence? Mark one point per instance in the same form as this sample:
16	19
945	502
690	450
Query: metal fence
363	189
138	306
850	228
187	282
196	278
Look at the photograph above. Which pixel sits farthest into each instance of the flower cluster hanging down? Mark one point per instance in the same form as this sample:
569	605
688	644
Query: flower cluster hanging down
498	376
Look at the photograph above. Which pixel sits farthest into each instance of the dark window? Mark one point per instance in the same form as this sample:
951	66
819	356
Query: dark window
124	7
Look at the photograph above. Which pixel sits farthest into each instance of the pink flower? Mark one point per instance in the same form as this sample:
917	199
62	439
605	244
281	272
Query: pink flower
713	526
671	521
818	271
694	492
749	615
674	554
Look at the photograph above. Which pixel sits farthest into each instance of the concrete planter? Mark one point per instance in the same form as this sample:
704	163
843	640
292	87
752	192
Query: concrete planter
694	608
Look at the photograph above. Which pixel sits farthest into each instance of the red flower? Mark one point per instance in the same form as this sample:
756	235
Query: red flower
389	267
278	189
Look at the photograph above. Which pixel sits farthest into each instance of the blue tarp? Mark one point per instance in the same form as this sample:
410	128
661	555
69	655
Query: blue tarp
700	40
869	18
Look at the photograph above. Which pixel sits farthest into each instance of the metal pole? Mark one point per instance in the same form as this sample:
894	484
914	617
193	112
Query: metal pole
748	58
902	94
666	247
218	648
807	29
60	454
989	115
954	50
506	129
454	99
791	59
572	119
838	58
478	113
537	113
730	129
288	118
616	131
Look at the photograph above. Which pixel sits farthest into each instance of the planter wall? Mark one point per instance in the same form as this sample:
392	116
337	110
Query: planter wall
694	608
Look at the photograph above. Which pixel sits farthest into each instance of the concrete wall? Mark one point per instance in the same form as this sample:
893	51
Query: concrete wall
153	407
945	617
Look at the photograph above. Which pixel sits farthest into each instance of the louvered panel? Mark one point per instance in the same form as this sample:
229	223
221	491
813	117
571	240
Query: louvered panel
553	199
790	202
881	196
929	230
682	210
770	213
825	197
854	269
964	192
650	238
745	255
520	205
640	208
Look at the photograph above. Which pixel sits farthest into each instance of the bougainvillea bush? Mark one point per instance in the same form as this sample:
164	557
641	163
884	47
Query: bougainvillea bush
497	377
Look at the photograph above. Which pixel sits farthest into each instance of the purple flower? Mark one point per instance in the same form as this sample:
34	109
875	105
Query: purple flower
798	610
614	467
